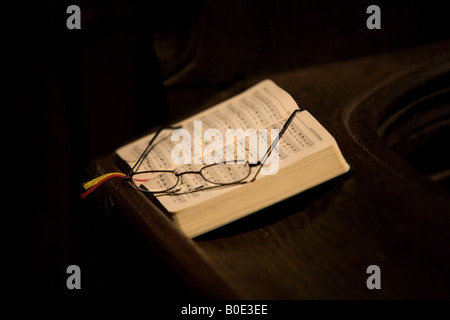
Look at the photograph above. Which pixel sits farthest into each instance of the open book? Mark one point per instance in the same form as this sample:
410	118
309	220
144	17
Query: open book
233	159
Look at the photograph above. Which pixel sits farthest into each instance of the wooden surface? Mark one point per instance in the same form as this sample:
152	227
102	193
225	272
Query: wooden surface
319	244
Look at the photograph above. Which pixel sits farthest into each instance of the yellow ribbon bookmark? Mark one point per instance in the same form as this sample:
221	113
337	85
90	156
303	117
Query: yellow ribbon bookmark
93	182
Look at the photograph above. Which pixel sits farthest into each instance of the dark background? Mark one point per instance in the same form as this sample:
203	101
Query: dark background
73	95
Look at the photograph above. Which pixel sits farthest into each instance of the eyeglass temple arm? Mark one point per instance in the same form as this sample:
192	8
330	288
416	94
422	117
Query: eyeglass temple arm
272	146
274	143
144	154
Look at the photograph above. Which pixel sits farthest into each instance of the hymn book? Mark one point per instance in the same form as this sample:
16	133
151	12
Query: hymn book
305	156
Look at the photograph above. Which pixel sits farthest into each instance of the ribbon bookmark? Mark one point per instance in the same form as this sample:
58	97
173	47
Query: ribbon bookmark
93	184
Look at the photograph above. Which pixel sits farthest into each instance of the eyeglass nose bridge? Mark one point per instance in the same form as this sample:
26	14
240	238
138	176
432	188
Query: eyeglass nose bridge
245	163
180	175
199	172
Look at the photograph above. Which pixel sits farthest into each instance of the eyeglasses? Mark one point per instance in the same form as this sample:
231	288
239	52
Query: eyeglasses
165	182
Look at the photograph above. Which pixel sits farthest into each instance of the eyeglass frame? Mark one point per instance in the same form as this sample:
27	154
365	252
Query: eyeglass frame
129	176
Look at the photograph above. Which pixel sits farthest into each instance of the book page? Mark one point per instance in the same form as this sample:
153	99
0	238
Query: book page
258	107
256	112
